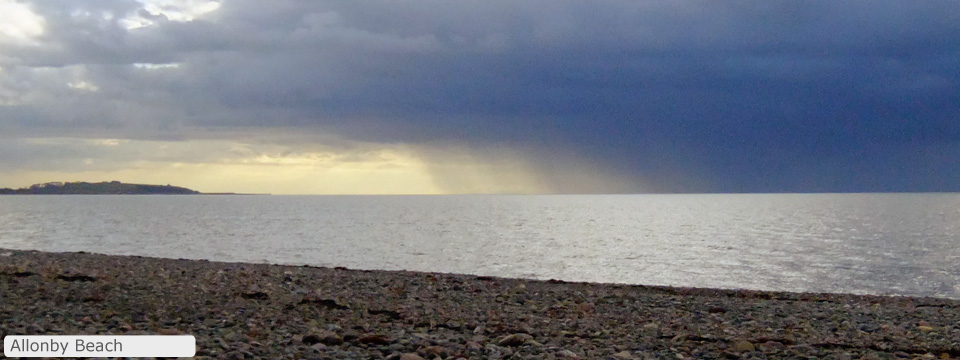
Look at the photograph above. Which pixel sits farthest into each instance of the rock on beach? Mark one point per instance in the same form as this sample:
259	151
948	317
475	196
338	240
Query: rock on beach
258	311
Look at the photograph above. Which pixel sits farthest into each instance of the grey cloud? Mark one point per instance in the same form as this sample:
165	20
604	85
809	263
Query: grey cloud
690	95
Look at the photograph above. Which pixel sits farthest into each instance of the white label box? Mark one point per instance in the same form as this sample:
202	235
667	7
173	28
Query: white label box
99	346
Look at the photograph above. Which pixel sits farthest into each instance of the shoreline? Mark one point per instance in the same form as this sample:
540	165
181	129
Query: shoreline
243	310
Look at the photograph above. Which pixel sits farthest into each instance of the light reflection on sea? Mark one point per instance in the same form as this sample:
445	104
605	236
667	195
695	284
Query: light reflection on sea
858	243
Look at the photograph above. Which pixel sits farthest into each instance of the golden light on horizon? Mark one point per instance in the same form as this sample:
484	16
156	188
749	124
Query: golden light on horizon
215	166
213	178
307	173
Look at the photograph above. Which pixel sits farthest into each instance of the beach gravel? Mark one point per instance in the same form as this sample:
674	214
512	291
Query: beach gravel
253	311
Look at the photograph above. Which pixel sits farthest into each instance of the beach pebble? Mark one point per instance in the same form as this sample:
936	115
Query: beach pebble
374	340
568	354
169	331
772	346
233	355
514	339
743	346
311	339
431	351
474	346
410	356
350	336
476	319
331	339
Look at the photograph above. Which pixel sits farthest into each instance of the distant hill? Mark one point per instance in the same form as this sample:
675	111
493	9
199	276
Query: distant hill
101	188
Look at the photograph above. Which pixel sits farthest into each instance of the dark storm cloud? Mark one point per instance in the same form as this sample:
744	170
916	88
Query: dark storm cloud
688	96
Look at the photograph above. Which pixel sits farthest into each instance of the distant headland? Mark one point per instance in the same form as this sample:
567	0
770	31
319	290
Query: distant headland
100	188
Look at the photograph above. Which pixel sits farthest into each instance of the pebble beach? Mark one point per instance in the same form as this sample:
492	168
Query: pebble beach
260	311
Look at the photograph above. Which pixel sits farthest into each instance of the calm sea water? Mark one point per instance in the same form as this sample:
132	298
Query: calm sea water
860	243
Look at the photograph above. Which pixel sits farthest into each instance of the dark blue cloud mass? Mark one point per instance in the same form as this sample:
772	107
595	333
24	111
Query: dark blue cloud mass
689	96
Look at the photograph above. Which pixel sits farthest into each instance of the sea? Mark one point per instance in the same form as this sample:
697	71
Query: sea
886	244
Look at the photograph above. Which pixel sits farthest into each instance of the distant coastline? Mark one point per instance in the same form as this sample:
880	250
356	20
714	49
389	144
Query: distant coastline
102	188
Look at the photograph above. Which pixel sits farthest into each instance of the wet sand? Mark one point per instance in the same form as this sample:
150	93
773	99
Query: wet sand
248	311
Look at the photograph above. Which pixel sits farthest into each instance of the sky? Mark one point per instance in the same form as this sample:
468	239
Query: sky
444	97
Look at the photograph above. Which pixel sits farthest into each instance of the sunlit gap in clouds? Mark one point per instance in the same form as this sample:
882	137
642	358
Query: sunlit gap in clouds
18	23
168	10
151	66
